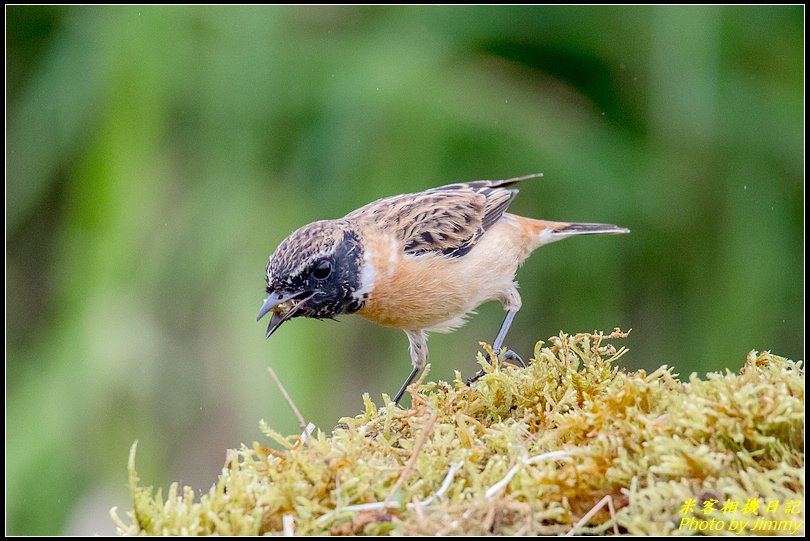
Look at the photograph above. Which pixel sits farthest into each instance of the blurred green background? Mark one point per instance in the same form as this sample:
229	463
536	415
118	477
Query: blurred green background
155	157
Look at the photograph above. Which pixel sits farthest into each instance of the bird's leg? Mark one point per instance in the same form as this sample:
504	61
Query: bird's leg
496	346
507	322
408	381
417	344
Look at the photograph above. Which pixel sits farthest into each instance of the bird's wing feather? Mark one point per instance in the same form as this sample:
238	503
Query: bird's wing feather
448	220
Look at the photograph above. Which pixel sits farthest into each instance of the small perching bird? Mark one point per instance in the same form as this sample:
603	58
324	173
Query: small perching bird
421	262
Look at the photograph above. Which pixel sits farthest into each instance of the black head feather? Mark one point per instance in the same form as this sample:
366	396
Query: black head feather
321	260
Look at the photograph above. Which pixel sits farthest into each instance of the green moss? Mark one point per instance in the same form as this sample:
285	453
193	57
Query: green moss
523	451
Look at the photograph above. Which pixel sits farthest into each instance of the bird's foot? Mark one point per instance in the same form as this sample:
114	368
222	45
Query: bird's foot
508	356
475	378
511	357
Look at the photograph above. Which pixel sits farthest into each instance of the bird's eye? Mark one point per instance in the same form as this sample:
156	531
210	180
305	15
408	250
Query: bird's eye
322	270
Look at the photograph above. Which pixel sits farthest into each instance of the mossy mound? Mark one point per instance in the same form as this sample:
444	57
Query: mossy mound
571	442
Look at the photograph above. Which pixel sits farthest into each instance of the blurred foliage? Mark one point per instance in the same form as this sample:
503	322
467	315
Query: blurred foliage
157	155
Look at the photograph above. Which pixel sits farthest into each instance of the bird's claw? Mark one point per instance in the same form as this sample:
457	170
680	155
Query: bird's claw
512	357
508	356
475	378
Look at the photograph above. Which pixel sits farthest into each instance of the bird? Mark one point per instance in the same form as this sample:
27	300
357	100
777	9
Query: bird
420	262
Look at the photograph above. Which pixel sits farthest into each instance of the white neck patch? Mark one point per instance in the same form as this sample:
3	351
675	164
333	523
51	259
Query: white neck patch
368	275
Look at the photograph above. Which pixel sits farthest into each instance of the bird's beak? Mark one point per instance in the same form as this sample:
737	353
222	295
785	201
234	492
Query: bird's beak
282	308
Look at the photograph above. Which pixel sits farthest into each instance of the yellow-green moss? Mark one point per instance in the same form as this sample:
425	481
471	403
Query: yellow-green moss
523	451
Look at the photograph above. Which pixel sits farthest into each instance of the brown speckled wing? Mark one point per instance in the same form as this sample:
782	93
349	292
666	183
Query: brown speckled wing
448	220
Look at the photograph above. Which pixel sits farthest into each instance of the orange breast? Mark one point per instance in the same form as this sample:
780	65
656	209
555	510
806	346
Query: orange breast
415	293
435	292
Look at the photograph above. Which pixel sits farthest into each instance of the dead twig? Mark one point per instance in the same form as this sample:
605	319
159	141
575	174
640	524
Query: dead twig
288	525
595	509
412	461
301	422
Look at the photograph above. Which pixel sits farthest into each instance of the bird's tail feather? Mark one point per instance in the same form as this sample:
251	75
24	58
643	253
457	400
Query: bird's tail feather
546	232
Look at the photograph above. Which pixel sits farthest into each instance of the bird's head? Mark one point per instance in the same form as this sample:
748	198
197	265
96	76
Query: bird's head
315	272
